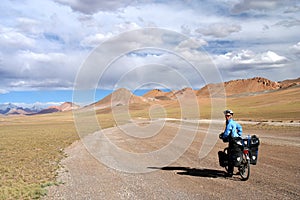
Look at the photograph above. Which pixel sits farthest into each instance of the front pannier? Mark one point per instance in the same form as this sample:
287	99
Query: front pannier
223	158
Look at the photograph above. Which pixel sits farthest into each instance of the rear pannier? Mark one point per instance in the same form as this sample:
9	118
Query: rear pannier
253	153
254	143
237	151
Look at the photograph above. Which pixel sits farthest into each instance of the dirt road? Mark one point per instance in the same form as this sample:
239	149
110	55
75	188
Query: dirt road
276	176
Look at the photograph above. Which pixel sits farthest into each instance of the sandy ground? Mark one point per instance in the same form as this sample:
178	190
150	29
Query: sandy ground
92	174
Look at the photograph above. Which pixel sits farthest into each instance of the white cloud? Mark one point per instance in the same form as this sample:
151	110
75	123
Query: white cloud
98	38
296	48
90	6
272	58
127	26
10	38
249	58
2	91
245	5
288	23
42	57
41	84
219	30
292	9
191	43
94	40
28	25
47	46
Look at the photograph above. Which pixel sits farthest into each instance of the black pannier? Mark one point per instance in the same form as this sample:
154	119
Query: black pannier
253	153
223	158
254	141
237	158
236	151
253	149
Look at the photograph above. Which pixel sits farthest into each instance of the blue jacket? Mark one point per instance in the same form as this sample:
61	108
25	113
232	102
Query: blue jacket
233	129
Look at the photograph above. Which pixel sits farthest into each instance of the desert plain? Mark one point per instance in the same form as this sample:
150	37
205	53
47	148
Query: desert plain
50	156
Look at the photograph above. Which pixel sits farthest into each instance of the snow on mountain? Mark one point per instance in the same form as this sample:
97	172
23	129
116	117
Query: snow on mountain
38	107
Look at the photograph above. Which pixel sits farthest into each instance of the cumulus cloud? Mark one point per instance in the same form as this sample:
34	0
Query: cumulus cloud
46	47
245	5
219	30
42	57
28	25
127	26
92	6
147	55
10	38
292	9
249	58
29	70
95	40
151	67
2	91
296	48
42	84
288	23
191	43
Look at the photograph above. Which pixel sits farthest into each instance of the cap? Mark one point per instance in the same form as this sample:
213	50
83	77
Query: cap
228	112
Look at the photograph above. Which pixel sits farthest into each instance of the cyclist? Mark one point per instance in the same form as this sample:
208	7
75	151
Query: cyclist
232	130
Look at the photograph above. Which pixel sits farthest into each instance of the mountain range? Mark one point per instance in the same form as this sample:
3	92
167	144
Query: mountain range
12	109
122	96
234	88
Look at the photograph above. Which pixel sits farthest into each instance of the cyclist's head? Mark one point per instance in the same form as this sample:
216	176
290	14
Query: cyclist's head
228	113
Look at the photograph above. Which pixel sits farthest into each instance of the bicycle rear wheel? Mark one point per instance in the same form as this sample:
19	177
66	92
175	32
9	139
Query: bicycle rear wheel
244	169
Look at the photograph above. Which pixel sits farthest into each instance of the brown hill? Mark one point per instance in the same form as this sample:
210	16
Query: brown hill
240	86
51	109
157	94
67	106
212	90
234	88
289	83
183	93
119	97
281	104
255	98
154	93
17	111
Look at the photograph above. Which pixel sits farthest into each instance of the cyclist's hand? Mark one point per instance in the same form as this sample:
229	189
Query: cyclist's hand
221	135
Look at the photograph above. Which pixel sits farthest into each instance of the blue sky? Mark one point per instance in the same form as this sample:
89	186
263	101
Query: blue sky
51	97
45	44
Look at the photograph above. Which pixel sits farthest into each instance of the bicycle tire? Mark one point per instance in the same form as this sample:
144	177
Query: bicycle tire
244	169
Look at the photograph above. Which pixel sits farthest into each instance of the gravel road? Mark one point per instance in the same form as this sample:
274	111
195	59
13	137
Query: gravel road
95	169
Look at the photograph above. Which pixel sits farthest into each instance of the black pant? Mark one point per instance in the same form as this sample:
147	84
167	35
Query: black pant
231	147
234	150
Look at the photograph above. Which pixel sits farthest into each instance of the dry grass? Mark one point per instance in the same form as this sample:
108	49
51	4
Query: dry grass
281	105
31	147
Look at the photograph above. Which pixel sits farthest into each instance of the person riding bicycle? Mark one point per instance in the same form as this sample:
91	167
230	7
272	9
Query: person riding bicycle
233	130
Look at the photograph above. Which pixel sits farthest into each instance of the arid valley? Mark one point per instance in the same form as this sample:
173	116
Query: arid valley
89	152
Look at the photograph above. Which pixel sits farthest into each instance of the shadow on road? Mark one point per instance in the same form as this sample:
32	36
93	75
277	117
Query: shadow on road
211	173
